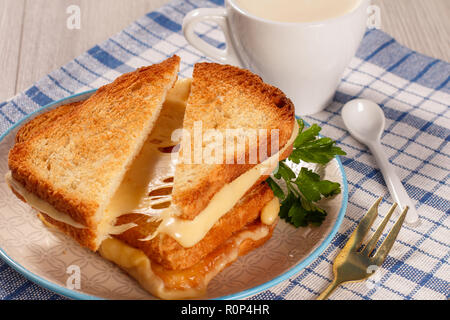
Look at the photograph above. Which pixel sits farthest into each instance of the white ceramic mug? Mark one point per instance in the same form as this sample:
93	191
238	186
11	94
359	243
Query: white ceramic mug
306	59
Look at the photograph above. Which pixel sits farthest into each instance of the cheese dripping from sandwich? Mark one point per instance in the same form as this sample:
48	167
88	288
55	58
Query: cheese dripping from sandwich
189	232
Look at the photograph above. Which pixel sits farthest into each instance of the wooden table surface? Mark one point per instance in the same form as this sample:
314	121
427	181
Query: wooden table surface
34	39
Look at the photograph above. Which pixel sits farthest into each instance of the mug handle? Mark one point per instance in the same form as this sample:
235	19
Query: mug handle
218	15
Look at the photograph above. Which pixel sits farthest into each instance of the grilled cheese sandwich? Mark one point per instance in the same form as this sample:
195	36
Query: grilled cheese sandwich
155	227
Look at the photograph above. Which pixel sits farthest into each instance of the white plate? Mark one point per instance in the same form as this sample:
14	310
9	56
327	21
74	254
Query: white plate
43	256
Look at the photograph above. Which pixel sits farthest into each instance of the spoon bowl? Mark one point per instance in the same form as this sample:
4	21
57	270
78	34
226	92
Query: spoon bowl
364	120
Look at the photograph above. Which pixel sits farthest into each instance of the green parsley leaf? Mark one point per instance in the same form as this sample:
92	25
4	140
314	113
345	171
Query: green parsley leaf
286	205
315	215
298	206
309	148
297	215
313	188
284	172
277	191
301	213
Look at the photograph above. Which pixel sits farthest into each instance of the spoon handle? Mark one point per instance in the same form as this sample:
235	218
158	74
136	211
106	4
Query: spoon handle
394	184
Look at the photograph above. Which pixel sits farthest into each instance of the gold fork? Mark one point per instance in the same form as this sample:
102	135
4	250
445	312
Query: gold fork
353	264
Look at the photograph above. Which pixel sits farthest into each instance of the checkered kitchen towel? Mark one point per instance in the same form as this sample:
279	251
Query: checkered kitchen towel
414	92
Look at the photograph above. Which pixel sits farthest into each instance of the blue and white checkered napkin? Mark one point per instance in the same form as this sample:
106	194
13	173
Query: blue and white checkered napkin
414	92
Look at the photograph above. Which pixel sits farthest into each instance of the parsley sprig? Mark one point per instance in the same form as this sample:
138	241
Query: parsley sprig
304	190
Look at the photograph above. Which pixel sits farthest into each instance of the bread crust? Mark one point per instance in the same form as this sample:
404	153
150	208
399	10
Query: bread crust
44	120
79	235
166	251
226	97
76	163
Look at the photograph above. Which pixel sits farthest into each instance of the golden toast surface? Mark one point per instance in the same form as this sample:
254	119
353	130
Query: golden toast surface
225	97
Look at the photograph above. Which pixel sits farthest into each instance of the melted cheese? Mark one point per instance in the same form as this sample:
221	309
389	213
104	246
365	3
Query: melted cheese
41	205
189	232
270	212
152	167
139	266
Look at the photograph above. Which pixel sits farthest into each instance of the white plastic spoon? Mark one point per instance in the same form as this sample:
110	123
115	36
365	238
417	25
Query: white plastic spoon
365	121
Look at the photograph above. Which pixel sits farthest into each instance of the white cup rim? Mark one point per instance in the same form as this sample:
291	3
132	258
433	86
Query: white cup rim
281	23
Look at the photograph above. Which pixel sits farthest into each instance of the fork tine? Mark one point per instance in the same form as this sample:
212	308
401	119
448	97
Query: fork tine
373	241
365	224
387	244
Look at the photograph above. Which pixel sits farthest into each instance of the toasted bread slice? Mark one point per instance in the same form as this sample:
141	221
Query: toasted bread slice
225	97
77	163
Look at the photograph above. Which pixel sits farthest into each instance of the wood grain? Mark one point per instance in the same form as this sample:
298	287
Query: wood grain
11	17
422	25
35	39
47	42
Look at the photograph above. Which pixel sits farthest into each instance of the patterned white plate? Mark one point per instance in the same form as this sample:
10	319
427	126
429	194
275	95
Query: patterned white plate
44	256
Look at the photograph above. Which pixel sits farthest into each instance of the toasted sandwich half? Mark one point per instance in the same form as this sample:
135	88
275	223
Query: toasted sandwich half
169	220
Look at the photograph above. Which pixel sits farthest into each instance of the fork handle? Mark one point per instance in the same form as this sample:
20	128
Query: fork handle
329	290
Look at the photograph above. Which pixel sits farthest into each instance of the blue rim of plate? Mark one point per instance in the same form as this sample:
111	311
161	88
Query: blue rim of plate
240	295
